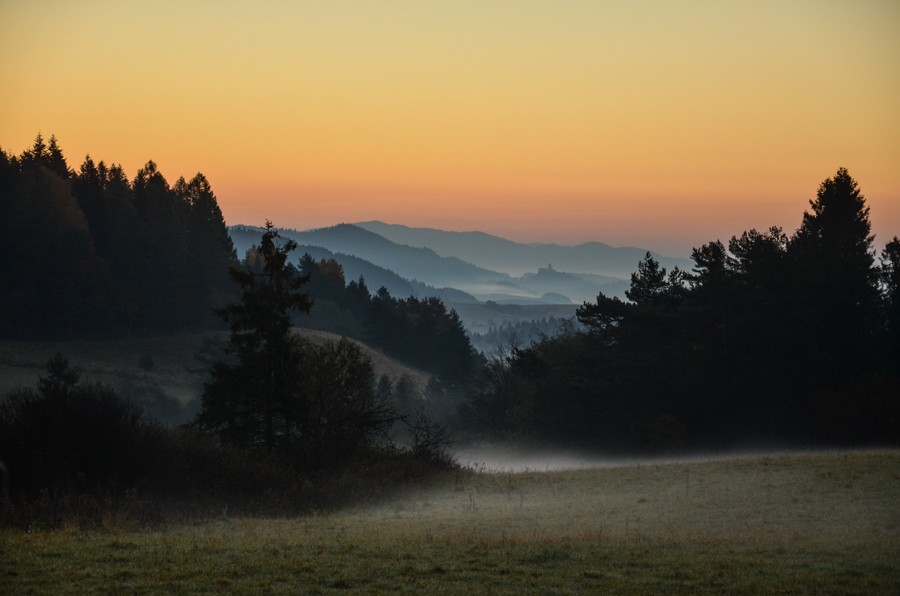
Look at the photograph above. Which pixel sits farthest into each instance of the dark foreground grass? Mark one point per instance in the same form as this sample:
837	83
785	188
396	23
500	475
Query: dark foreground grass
818	523
230	558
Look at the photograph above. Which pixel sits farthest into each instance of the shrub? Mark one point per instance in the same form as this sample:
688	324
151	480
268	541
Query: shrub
70	436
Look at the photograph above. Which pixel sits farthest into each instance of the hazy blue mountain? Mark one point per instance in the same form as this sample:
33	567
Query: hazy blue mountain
354	267
475	247
483	299
448	295
552	274
422	264
514	258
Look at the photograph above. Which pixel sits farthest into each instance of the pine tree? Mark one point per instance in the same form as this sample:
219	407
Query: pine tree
837	278
253	401
55	160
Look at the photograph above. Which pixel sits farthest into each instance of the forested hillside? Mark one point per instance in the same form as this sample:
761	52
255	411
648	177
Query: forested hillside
90	252
422	332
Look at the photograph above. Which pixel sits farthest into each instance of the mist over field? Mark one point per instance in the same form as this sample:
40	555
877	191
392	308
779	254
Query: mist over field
499	458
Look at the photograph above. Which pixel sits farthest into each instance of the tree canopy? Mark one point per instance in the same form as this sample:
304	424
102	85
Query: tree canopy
89	252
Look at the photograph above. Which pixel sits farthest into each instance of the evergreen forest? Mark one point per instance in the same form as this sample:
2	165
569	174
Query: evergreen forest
91	253
774	339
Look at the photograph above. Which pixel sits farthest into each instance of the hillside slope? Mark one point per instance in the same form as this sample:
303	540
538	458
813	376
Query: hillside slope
175	367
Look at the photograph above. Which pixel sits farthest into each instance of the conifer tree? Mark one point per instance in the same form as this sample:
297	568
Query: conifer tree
837	279
208	244
251	401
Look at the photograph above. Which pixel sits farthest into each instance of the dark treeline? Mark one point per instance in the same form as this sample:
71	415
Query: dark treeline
90	252
772	339
421	332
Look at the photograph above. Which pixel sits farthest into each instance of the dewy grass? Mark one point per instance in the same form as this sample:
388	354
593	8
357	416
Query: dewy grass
821	523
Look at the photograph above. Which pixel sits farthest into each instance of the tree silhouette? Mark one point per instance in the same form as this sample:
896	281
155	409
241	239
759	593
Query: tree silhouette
252	401
834	260
69	435
55	161
338	413
314	405
648	283
209	247
890	279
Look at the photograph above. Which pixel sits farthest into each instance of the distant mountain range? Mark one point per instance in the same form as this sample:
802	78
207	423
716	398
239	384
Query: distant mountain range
515	258
466	267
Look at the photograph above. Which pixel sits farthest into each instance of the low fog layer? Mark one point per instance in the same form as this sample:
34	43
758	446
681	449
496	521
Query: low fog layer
498	458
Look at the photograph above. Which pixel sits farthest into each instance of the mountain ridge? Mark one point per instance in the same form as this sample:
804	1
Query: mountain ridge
529	274
355	267
516	258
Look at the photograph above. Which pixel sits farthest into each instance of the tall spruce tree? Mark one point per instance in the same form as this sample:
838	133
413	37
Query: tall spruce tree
838	281
252	401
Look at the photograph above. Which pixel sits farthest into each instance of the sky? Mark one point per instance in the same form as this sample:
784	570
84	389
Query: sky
648	123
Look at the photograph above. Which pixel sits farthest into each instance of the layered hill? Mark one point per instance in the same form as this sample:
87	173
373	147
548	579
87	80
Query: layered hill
466	267
515	258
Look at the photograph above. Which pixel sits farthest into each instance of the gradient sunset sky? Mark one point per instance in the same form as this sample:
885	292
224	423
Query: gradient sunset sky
656	124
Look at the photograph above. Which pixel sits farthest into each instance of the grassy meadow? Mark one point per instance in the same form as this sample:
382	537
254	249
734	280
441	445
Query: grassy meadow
800	523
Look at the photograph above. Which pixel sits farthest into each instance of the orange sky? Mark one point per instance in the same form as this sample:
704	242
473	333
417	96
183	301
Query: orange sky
656	124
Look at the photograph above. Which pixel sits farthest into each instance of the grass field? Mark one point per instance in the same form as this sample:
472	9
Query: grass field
803	523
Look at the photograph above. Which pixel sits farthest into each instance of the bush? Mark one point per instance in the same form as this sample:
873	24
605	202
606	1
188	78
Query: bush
71	437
